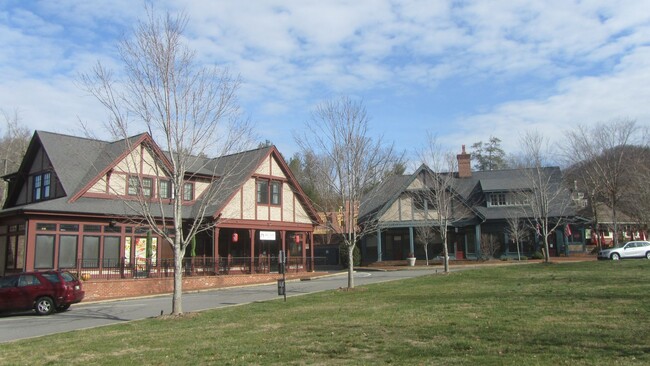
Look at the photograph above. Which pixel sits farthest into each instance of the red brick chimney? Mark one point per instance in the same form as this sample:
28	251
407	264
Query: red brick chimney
464	164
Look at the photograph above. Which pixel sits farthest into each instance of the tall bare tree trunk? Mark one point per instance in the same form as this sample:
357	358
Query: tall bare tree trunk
351	266
177	301
353	162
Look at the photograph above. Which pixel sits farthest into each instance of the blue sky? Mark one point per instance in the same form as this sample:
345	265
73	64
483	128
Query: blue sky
464	70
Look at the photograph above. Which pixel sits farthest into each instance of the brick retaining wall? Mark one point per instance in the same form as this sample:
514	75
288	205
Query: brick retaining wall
115	289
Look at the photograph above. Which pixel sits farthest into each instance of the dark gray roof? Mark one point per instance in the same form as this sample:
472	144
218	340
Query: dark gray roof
233	171
471	190
72	157
505	180
77	161
108	154
95	206
385	192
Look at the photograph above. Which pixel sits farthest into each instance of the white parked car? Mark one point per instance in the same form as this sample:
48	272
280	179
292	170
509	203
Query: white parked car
631	249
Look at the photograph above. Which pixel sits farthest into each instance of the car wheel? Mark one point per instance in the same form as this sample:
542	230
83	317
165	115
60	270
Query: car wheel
63	308
615	256
647	255
44	306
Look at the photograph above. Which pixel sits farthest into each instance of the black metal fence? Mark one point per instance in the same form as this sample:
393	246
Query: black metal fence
197	266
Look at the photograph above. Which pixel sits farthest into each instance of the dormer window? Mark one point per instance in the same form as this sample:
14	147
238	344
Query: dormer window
42	184
506	199
498	199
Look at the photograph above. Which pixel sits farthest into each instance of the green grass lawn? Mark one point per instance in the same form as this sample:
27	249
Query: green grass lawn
547	314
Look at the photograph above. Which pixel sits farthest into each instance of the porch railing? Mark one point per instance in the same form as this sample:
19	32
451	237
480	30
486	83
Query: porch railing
197	266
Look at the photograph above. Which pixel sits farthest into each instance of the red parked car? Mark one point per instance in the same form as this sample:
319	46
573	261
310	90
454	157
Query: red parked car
44	292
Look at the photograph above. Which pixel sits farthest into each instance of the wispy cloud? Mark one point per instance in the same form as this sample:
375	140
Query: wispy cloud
525	64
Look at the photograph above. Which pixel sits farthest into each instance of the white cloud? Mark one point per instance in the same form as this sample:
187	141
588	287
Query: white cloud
53	106
577	61
586	101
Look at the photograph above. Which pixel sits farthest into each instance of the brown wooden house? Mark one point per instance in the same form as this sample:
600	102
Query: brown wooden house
71	206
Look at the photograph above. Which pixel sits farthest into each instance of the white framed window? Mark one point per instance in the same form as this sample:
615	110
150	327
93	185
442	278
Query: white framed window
164	189
188	191
42	185
147	184
133	186
140	185
499	199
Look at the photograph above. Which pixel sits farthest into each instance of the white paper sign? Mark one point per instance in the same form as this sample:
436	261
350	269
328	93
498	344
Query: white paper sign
267	235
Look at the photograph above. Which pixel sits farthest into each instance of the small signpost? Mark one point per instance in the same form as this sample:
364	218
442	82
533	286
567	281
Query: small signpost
282	289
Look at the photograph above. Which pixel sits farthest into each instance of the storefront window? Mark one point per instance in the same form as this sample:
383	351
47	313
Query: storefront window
11	253
20	251
111	251
68	251
90	251
44	251
3	254
127	250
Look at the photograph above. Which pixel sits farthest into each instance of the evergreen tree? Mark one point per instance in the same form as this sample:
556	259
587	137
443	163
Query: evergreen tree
488	155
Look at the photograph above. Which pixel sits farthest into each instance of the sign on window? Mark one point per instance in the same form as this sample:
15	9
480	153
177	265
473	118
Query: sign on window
267	235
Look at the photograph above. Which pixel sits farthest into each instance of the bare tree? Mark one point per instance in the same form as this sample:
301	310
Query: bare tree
189	109
549	202
13	145
516	229
353	162
425	236
636	200
586	182
606	163
441	199
490	245
306	168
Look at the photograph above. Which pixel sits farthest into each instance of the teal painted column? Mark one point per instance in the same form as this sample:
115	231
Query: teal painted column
411	242
378	245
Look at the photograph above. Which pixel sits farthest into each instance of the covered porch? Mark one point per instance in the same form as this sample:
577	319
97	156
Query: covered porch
394	243
104	248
